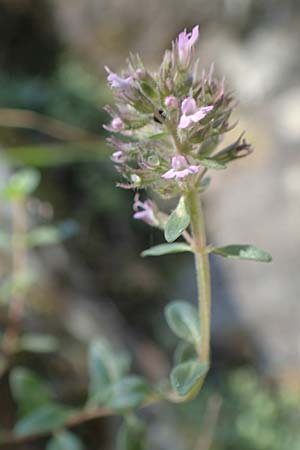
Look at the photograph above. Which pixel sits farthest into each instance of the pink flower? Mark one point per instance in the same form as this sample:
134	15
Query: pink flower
180	168
185	44
144	211
116	125
191	113
118	82
171	102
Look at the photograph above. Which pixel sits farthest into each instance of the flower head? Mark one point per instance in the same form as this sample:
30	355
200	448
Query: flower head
145	211
191	113
180	168
185	43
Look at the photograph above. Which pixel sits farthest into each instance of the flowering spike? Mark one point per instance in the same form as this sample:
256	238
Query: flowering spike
171	122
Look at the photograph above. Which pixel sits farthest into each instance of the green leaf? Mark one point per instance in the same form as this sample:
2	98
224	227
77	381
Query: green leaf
51	155
50	234
182	318
186	376
211	163
46	418
65	440
158	136
128	393
178	221
44	235
243	252
38	343
28	390
132	435
105	367
21	184
184	351
165	249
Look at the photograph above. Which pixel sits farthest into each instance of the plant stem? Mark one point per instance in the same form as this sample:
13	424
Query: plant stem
202	271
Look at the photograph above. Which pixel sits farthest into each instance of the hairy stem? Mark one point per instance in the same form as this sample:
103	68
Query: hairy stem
202	271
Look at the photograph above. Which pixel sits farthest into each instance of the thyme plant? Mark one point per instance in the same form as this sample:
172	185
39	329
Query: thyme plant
167	131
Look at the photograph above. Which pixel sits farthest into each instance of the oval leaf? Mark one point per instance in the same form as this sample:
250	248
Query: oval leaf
186	376
65	440
28	390
178	221
165	249
243	252
182	318
46	418
105	367
128	393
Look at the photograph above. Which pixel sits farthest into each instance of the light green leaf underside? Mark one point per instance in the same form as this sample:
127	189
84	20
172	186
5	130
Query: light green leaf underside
165	249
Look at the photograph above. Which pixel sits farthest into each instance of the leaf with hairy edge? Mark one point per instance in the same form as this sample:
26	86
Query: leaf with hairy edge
178	221
249	252
186	376
165	249
183	319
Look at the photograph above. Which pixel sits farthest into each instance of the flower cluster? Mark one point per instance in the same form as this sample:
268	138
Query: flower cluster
167	125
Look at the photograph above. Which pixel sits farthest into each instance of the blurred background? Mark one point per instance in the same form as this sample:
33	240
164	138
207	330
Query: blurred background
93	282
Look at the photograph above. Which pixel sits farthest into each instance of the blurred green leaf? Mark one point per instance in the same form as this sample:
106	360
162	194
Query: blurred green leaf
158	136
48	417
182	318
56	154
38	343
44	235
243	252
178	221
21	184
65	440
52	234
106	366
128	393
185	376
132	435
211	163
165	249
28	389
